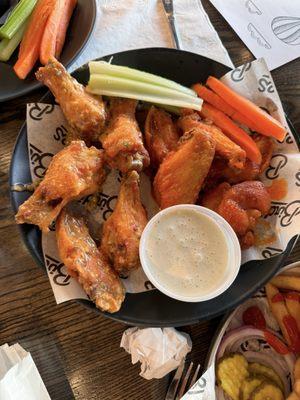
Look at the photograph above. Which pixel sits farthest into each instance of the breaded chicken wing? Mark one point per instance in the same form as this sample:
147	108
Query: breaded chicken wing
86	114
86	263
181	174
161	135
123	229
122	140
241	205
74	172
225	147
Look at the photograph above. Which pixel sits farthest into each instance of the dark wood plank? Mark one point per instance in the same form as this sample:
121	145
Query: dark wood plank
76	350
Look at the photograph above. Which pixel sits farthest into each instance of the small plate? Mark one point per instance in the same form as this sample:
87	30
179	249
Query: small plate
221	331
153	308
79	31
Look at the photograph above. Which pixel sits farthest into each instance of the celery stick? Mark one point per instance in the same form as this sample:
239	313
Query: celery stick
102	67
19	14
8	46
151	98
107	82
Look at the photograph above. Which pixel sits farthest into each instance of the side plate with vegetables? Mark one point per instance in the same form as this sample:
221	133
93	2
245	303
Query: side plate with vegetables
13	31
253	356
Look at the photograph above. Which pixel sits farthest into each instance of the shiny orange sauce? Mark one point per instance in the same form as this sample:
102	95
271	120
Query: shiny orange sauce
278	189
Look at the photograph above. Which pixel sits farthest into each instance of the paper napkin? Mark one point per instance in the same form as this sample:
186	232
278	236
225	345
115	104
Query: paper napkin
19	376
269	28
159	351
130	24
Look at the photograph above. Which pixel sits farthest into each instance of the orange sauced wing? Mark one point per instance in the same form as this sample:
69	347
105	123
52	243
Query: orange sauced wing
86	114
182	173
225	147
86	262
74	172
123	229
161	135
122	140
241	205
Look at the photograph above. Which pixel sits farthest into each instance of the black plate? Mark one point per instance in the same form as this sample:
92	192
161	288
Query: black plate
79	31
153	308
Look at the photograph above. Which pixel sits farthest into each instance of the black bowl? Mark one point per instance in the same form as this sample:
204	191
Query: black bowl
79	31
153	308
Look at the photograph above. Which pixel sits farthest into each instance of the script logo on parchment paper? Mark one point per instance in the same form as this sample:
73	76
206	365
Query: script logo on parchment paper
286	212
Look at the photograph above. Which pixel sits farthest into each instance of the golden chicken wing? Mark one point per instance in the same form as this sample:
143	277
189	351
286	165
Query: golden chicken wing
122	140
86	263
123	229
74	172
161	135
86	114
241	205
225	147
181	174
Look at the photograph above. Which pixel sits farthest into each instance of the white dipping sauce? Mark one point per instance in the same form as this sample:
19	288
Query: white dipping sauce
187	252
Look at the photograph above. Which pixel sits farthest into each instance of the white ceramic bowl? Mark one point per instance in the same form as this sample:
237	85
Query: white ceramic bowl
233	246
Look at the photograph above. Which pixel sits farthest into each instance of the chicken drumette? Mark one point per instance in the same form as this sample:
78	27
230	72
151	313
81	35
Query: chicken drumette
123	229
86	114
86	263
74	172
161	135
122	140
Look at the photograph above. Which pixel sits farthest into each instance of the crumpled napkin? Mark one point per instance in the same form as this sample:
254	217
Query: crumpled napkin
19	376
160	351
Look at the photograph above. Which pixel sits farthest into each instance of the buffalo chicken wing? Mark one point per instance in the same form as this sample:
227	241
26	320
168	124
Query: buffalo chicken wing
241	205
123	229
122	140
182	173
161	135
87	264
225	147
86	114
74	172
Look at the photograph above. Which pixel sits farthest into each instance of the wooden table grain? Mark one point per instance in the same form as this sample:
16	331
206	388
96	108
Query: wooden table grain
77	351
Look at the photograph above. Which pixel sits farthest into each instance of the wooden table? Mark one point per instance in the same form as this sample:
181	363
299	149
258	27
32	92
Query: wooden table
77	351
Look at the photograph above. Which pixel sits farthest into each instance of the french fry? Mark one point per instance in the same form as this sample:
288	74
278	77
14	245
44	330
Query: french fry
292	301
286	322
287	282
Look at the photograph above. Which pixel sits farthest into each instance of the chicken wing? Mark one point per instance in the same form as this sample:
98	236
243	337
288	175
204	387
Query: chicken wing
181	174
221	170
86	114
74	172
122	140
225	147
123	229
241	205
86	262
161	135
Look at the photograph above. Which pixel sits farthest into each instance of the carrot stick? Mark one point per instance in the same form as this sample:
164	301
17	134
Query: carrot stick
230	129
265	124
215	100
68	9
48	44
30	45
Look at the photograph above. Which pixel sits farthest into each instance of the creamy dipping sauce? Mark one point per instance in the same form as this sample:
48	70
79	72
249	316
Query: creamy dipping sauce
187	252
